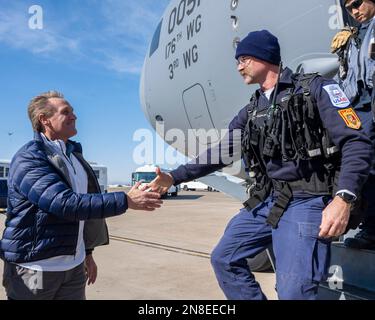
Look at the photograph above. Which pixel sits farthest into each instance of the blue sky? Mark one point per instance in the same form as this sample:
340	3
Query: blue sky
90	50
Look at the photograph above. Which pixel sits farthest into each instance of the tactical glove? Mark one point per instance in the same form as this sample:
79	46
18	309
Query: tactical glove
341	38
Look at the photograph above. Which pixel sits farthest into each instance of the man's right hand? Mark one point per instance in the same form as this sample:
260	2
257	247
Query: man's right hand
162	182
335	218
142	200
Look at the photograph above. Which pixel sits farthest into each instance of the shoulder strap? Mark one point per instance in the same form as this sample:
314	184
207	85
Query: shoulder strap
304	80
251	107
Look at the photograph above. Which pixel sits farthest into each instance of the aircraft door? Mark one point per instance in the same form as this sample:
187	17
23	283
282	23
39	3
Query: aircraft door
197	111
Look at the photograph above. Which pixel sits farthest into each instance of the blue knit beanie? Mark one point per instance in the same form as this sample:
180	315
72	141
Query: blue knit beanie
262	45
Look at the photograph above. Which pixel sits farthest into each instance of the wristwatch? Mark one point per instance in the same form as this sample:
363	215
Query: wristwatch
347	197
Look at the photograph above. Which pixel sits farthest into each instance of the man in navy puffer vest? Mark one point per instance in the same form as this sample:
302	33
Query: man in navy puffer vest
56	211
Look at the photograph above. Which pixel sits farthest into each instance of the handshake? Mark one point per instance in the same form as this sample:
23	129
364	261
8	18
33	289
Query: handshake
147	197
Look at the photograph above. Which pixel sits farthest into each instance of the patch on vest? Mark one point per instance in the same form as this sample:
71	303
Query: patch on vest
337	96
350	117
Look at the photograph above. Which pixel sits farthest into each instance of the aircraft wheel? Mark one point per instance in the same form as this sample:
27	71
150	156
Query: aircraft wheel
260	263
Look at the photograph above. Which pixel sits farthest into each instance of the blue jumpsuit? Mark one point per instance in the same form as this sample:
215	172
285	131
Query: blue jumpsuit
358	87
302	257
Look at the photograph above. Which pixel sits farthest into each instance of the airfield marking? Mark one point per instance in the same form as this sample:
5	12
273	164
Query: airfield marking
161	247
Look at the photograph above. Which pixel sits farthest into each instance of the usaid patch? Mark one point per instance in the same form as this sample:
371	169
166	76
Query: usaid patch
337	96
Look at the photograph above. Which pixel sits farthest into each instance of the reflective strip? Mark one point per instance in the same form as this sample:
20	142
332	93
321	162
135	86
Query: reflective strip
314	153
252	174
332	150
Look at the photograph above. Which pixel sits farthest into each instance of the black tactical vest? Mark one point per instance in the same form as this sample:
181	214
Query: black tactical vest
289	130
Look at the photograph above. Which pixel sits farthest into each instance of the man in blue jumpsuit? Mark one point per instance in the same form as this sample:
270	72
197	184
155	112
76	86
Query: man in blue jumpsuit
301	231
356	49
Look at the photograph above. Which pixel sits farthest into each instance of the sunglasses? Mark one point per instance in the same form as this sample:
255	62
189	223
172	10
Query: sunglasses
354	5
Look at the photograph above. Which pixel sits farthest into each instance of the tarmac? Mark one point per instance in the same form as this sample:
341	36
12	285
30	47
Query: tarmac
165	254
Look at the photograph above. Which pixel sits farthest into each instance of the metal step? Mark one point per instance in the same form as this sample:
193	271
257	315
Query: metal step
352	267
327	292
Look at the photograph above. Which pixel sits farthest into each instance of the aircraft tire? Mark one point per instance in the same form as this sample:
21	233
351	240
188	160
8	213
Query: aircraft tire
260	263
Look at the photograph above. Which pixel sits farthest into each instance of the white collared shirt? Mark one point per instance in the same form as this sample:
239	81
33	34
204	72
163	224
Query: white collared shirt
268	93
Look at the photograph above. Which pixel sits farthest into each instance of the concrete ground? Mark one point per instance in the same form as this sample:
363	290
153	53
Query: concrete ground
165	254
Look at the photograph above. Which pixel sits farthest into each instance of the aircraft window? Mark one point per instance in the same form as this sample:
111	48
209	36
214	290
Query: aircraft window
145	176
159	118
155	39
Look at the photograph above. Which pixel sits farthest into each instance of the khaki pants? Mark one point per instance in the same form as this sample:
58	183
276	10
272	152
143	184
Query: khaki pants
25	284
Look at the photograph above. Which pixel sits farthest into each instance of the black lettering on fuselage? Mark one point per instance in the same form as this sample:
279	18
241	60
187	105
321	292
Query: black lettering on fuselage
194	27
191	56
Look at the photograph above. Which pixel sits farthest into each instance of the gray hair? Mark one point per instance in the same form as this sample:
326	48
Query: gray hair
40	105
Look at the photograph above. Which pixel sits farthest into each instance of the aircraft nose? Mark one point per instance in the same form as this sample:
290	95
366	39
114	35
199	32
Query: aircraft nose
143	92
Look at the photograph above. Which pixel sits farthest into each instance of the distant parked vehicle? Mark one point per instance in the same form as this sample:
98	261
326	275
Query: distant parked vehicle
3	193
101	174
4	173
195	185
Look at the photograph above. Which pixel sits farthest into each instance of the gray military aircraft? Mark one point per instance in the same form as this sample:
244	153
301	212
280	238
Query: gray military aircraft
190	80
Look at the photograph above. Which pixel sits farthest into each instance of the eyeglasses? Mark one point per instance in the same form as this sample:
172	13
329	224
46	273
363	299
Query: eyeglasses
243	60
354	5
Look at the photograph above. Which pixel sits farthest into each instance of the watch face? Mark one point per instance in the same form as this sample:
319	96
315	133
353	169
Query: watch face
347	197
